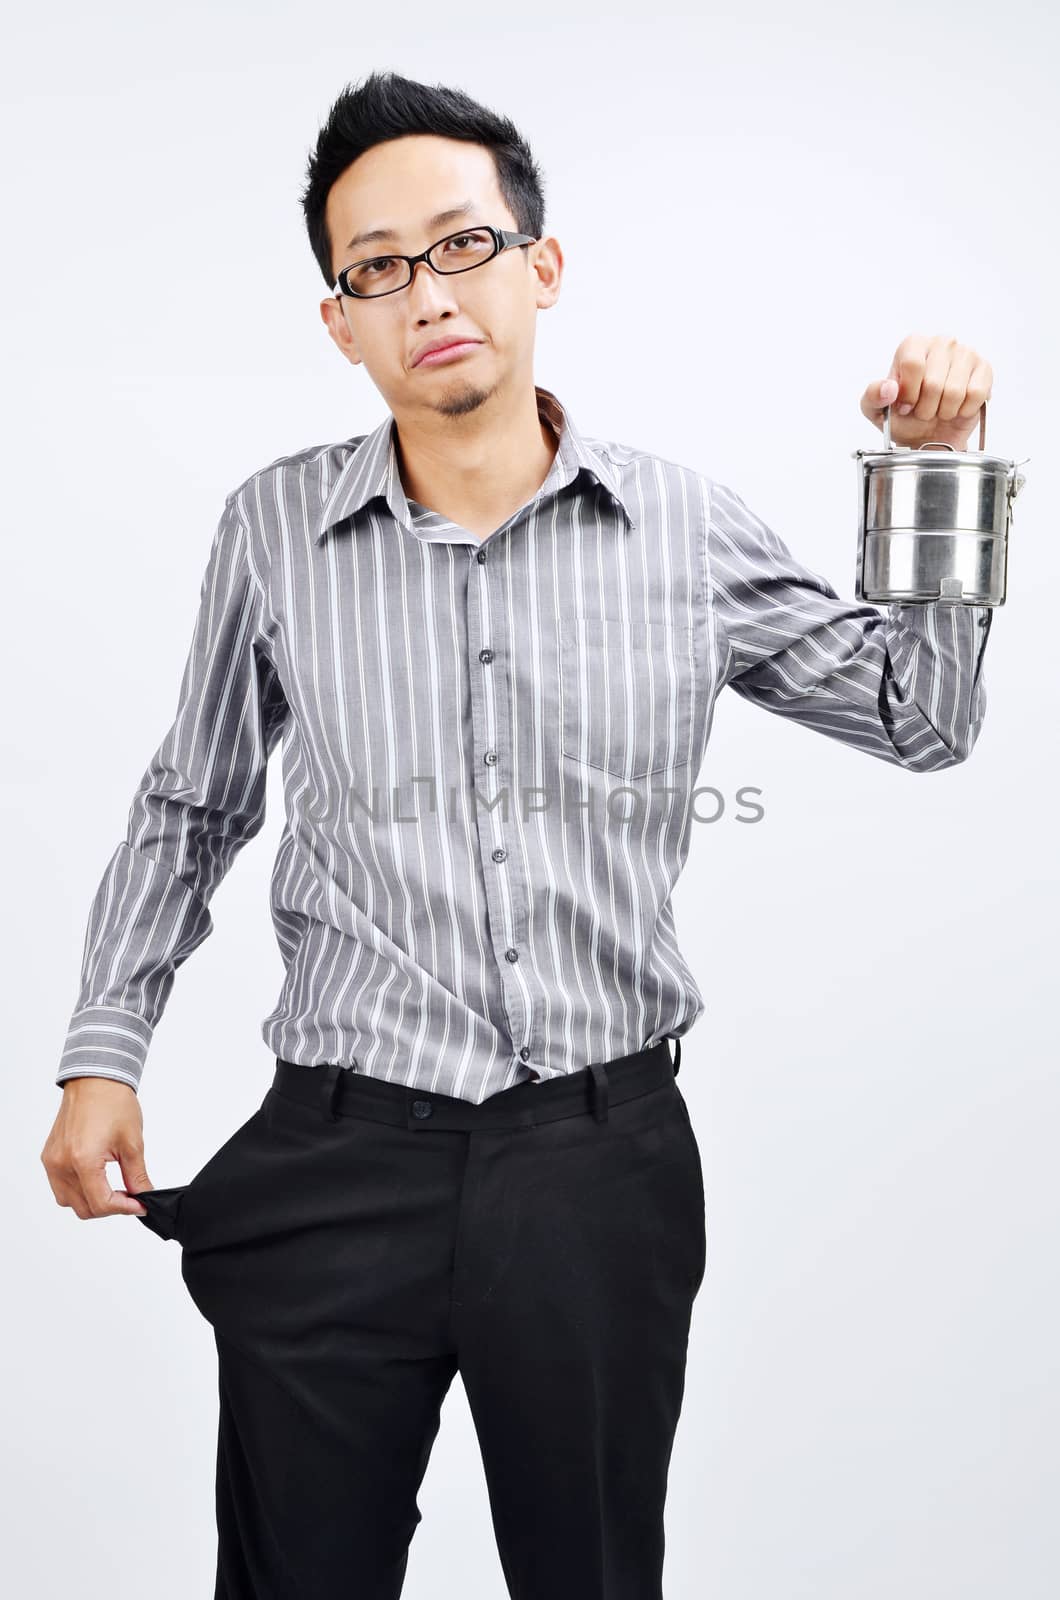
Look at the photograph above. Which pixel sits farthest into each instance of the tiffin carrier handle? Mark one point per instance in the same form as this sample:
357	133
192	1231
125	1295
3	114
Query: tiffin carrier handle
938	445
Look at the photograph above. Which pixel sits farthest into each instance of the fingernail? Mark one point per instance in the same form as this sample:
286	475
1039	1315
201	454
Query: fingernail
903	411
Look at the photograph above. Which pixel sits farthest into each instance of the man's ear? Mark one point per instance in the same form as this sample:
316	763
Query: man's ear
339	329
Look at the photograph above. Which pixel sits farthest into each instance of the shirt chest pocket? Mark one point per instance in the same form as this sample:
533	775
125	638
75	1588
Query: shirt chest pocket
626	695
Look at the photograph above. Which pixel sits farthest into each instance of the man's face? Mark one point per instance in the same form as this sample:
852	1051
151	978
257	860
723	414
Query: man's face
400	185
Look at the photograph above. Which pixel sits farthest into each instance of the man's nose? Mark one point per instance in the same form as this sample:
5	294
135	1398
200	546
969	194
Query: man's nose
428	288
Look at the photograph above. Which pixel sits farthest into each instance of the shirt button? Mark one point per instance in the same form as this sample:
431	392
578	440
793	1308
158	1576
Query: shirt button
422	1108
512	955
485	655
499	854
490	758
525	1052
481	557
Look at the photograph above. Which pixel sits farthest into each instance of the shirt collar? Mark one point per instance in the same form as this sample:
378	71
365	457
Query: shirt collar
370	472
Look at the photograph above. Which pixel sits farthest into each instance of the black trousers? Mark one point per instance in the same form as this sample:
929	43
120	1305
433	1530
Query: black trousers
356	1242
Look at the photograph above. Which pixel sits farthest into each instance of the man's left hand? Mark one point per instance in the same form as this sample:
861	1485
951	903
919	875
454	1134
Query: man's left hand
938	384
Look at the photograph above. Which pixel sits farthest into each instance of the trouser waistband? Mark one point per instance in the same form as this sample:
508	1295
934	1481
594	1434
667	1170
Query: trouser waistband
341	1092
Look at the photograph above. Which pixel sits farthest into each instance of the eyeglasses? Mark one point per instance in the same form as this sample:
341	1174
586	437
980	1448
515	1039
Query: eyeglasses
457	252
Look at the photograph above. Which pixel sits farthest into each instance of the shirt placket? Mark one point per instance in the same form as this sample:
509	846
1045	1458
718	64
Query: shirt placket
492	745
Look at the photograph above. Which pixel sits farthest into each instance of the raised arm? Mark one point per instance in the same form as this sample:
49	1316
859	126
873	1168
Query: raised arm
905	685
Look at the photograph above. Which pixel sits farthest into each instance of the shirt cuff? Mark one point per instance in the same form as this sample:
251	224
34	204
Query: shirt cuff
105	1042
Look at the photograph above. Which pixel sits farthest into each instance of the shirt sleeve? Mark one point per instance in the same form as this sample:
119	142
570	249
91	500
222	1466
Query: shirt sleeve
905	685
200	799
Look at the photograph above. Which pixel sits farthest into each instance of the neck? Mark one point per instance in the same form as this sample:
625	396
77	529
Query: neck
479	466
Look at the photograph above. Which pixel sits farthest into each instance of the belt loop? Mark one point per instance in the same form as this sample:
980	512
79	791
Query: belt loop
329	1092
677	1056
598	1090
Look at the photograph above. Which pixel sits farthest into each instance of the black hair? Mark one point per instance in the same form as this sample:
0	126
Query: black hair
387	106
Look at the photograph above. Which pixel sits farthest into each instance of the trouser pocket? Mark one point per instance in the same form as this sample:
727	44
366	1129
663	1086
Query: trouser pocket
163	1210
166	1213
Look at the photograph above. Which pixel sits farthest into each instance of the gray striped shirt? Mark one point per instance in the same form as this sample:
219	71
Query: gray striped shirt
489	754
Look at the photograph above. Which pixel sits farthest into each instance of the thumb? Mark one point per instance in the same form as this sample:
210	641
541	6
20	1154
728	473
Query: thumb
888	392
134	1173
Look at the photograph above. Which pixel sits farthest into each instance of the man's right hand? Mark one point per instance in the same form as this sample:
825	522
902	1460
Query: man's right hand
99	1121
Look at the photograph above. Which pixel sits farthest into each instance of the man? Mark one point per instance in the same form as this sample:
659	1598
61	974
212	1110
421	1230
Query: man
472	629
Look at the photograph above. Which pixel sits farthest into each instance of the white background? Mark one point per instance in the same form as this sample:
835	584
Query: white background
871	1406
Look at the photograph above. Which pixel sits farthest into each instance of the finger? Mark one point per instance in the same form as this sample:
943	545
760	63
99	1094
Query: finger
980	388
129	1155
68	1193
878	397
134	1176
101	1199
909	363
936	367
955	384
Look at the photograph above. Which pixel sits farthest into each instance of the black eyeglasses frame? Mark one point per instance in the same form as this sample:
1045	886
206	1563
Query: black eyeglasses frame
503	239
